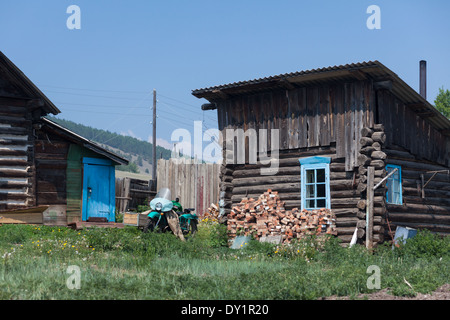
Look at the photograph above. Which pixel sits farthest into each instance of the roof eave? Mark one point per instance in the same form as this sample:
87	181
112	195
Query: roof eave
28	86
87	143
374	70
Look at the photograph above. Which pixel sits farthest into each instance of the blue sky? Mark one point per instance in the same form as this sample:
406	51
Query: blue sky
103	74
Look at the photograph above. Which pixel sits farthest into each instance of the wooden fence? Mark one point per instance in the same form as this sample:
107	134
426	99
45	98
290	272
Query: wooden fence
196	184
133	192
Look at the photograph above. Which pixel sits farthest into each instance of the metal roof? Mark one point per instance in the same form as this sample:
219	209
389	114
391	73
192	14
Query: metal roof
374	70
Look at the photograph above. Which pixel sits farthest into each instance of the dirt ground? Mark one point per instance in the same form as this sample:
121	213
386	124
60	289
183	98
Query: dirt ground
442	293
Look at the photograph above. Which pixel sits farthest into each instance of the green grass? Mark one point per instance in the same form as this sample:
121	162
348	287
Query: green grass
127	264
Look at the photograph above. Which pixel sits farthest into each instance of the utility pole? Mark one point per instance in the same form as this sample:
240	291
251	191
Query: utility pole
154	137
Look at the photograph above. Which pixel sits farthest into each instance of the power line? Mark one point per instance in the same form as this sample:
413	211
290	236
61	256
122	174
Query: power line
104	112
179	101
110	91
135	106
116	97
97	105
93	90
94	96
169	104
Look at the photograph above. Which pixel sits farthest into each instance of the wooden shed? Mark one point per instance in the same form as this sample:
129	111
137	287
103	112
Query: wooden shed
48	174
322	131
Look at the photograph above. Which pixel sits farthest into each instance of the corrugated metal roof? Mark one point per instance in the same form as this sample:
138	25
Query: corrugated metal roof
374	70
291	77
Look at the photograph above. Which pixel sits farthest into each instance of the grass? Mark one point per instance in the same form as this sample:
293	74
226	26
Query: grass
127	264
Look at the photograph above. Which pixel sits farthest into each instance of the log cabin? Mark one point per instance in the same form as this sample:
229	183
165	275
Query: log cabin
48	174
333	134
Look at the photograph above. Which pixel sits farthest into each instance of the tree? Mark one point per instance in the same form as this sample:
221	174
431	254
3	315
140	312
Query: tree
131	167
139	161
442	102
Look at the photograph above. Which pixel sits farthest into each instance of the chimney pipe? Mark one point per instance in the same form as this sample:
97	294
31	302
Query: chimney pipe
423	79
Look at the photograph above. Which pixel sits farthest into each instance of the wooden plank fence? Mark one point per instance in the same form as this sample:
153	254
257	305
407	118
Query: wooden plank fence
196	184
133	192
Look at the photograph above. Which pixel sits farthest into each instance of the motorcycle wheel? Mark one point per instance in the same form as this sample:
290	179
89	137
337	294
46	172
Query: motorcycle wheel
150	226
193	228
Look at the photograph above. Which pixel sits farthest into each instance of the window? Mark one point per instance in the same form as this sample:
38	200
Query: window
315	183
394	185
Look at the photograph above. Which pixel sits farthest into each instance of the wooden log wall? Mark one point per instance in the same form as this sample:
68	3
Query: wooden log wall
431	212
17	170
51	166
306	117
371	155
239	181
404	127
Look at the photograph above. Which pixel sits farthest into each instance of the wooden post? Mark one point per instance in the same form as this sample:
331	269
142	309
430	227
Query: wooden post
369	207
154	137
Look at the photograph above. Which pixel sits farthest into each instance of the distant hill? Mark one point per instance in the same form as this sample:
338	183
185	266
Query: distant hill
138	152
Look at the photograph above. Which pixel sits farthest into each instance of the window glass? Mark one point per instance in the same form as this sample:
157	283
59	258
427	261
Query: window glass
310	191
320	175
310	176
394	185
321	190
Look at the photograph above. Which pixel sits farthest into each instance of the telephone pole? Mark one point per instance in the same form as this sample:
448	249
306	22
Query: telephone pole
154	137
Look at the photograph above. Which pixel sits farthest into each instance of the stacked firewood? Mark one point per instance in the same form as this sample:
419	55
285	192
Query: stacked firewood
212	212
266	216
371	154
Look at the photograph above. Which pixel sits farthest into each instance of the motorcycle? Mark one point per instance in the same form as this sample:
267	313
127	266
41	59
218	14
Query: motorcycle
162	206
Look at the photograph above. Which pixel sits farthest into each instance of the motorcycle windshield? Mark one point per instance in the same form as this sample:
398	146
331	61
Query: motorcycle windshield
164	193
162	200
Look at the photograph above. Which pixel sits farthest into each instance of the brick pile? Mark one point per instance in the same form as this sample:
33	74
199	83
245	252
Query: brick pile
266	216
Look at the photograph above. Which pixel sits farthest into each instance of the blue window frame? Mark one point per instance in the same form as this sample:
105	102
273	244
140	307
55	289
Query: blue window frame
394	185
315	183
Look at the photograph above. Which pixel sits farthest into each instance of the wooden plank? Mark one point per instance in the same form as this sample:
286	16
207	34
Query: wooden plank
339	106
359	121
283	119
252	123
21	218
349	128
291	97
324	116
303	118
310	116
35	209
332	113
315	129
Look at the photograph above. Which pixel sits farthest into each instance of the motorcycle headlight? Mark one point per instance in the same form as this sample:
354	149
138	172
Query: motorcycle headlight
158	206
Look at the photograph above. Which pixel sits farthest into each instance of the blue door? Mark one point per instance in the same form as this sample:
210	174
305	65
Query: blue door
98	189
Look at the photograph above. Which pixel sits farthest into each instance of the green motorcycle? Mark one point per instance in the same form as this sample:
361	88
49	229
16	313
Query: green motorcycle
162	208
